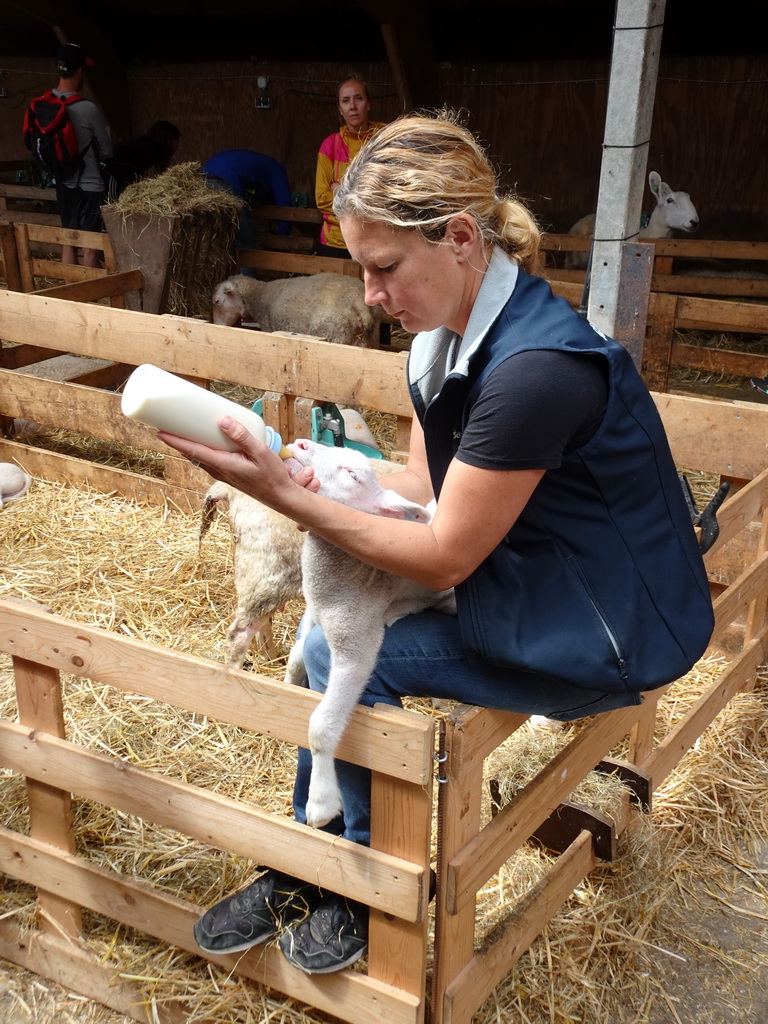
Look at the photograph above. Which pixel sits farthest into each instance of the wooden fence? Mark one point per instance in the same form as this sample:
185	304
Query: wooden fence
393	876
29	204
678	301
687	300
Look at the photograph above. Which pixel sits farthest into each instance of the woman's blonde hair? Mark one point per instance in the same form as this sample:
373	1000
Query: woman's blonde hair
421	170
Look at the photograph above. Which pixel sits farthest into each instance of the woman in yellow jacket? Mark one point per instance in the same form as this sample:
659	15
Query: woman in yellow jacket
335	155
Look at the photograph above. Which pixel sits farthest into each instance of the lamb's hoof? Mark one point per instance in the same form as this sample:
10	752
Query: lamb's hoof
539	723
321	813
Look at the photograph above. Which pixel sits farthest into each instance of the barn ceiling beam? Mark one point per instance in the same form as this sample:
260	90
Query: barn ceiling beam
637	33
410	49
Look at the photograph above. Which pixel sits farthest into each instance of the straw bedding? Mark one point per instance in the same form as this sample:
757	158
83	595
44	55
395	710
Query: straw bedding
675	931
683	378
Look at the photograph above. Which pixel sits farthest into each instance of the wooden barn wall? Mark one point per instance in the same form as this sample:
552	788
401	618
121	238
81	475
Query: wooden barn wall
543	123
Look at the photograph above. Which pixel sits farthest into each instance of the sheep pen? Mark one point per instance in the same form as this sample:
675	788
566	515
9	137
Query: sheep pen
673	931
685	379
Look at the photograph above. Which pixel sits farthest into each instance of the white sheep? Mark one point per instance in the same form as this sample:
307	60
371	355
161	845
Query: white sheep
267	566
14	482
674	211
353	603
321	305
267	562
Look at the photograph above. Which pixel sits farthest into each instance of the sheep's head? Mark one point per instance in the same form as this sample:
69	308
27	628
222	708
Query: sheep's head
228	304
674	211
346	475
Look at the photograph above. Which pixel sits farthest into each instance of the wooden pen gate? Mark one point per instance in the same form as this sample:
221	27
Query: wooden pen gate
393	877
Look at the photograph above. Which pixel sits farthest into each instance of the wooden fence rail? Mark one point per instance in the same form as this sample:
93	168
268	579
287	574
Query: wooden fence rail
703	265
29	204
294	367
677	301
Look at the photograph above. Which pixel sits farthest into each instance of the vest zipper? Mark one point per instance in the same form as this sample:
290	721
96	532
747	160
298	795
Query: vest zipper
613	641
612	638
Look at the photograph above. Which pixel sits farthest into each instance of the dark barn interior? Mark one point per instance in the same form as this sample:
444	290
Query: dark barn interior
531	77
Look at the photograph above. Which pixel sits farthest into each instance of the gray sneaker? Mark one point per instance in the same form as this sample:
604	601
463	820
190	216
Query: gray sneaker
253	914
333	936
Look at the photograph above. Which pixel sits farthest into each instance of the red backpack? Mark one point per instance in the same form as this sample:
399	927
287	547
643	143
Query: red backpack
50	135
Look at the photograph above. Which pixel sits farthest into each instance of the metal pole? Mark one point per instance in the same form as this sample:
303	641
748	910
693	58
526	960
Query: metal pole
634	67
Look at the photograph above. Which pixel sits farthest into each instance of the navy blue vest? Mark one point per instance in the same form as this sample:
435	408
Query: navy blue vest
600	582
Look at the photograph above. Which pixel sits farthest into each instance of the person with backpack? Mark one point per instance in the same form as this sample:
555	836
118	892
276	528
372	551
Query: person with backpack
80	186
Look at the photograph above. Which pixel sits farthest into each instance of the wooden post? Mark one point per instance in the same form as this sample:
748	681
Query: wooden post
642	733
24	254
38	691
401	824
10	256
758	610
459	820
659	340
302	419
276	412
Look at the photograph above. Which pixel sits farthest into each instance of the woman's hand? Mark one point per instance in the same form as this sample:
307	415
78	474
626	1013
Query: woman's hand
254	469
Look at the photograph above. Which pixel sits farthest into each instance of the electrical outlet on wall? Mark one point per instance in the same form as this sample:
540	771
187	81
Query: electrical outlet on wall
262	101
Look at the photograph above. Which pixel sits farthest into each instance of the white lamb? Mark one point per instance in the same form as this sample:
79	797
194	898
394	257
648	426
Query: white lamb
267	566
674	211
327	306
353	603
267	561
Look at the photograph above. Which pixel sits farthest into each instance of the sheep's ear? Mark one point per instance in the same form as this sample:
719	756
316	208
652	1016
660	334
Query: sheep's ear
229	288
654	181
393	506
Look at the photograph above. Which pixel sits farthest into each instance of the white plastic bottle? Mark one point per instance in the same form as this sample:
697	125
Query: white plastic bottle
167	402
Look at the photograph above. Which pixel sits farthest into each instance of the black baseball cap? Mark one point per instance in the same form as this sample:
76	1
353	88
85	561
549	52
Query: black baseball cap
71	58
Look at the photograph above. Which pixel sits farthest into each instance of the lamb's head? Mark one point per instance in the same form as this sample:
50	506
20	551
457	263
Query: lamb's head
674	211
228	304
346	475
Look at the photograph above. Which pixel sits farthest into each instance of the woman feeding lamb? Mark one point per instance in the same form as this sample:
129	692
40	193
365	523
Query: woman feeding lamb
559	518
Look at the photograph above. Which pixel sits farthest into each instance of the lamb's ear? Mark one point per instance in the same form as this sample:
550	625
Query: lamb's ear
394	506
229	288
659	188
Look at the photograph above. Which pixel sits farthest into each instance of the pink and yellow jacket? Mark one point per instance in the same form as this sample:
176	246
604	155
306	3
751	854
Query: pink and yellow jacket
335	155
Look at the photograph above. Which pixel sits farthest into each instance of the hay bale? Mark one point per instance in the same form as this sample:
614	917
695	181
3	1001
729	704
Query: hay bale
181	233
180	190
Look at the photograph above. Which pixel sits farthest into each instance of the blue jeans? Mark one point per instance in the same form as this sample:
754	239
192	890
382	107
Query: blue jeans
423	656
